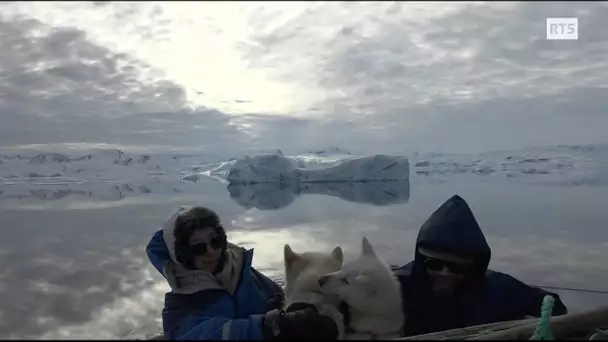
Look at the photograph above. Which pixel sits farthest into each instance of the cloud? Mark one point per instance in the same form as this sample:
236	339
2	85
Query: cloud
404	78
60	87
382	76
57	85
463	52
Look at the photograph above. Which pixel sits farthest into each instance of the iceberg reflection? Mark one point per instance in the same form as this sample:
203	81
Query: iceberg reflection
273	196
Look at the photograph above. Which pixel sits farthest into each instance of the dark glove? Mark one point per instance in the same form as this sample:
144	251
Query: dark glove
345	311
276	302
303	322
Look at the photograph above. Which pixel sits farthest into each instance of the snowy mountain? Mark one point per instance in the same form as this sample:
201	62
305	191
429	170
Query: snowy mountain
114	174
99	165
559	165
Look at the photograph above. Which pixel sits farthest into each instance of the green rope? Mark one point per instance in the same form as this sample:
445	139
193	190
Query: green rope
543	331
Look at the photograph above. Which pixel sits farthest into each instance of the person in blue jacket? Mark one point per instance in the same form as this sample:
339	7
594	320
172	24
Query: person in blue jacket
216	293
449	285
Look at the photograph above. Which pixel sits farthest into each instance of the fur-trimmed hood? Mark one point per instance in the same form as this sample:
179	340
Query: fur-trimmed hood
161	251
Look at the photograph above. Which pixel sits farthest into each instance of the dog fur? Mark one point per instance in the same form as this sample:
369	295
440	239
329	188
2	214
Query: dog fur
302	273
373	295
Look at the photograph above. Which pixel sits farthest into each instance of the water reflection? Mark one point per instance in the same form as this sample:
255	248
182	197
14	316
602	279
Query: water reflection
67	273
273	196
541	235
60	267
105	194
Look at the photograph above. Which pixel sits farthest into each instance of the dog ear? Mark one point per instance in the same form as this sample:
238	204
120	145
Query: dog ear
367	248
337	254
289	254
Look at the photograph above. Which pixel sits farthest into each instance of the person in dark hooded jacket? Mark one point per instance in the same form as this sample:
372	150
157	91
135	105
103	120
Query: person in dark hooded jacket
449	285
216	293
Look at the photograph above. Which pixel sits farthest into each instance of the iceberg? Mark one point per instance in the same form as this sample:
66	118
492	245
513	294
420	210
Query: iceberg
276	168
273	196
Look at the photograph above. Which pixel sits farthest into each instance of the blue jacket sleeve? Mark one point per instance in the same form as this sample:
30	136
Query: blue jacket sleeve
157	251
214	323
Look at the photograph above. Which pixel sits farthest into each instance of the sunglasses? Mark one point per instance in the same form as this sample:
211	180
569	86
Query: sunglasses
438	265
201	247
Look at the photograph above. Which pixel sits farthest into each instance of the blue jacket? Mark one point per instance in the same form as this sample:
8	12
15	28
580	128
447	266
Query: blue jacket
214	313
485	296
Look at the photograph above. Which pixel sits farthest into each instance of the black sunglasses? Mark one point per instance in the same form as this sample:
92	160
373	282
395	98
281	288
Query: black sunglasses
437	265
201	247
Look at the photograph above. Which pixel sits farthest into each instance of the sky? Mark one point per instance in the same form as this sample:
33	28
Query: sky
371	77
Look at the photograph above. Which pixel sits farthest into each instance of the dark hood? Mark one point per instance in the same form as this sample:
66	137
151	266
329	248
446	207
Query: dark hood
452	228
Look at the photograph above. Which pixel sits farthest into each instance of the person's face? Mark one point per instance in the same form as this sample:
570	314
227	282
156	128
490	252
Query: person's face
445	270
445	275
207	248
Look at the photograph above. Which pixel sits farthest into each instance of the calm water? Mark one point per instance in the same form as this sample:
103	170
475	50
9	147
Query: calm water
77	268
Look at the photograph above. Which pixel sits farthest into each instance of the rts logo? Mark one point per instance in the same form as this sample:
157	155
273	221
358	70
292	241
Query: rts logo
562	28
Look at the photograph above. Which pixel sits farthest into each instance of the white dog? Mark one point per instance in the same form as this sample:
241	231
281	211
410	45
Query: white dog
302	273
372	293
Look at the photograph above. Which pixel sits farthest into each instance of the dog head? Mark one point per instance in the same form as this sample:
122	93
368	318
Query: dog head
362	282
306	268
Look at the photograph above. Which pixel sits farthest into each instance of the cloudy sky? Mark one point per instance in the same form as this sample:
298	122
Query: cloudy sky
370	77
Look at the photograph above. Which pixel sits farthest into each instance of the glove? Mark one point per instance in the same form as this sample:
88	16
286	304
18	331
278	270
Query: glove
276	302
301	322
